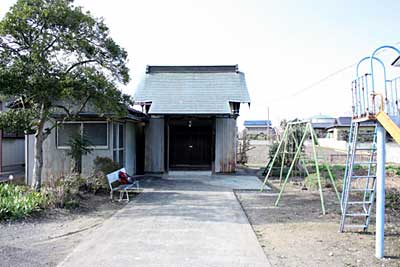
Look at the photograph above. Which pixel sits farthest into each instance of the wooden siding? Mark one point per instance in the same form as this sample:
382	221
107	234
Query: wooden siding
225	145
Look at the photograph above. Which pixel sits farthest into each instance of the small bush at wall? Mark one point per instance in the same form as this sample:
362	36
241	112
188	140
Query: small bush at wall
19	201
105	165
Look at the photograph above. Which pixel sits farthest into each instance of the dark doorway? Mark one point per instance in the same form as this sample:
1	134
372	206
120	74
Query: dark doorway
140	150
190	144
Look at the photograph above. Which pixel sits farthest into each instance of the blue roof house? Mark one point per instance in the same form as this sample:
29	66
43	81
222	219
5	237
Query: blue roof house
257	123
259	127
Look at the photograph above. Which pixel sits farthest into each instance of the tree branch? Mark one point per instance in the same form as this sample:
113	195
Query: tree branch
6	47
49	46
24	38
64	108
79	63
83	105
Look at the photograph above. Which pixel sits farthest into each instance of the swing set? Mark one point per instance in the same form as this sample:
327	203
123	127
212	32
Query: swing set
289	145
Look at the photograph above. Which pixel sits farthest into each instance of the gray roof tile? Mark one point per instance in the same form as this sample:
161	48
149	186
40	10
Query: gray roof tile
190	91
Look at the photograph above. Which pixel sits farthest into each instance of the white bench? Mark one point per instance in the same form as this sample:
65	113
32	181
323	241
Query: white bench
123	189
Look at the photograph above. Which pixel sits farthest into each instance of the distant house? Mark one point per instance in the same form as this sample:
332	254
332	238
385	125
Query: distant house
117	139
340	129
320	123
193	111
259	128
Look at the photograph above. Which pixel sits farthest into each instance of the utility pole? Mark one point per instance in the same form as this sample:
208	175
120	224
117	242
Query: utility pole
268	126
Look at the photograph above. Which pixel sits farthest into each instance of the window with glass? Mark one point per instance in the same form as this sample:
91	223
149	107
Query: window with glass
118	143
95	132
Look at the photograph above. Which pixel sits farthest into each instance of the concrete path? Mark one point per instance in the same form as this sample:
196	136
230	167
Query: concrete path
177	221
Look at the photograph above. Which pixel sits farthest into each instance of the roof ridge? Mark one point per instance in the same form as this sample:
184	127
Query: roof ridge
193	69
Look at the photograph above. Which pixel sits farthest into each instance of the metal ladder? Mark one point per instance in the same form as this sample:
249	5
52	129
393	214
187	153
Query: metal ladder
358	191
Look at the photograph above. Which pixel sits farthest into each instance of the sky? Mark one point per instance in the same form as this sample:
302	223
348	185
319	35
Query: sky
282	46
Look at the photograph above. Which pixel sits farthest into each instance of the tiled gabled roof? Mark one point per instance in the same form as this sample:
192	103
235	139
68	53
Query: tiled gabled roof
192	89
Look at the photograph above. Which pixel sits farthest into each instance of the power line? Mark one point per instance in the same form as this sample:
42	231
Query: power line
327	77
305	89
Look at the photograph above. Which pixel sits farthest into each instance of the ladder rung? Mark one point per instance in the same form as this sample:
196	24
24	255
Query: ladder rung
356	226
362	190
365	134
363	176
357	214
358	202
366	148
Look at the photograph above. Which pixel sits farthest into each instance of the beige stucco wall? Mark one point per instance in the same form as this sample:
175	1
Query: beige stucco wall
130	147
57	163
154	145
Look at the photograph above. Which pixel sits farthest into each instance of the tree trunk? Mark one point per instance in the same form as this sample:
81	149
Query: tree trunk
77	165
38	157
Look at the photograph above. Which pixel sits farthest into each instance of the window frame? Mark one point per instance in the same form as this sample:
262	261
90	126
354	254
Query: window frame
81	125
117	148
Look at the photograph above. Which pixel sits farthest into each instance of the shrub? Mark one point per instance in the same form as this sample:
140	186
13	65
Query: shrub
97	181
311	181
294	137
393	199
19	201
64	190
393	170
79	146
272	151
102	166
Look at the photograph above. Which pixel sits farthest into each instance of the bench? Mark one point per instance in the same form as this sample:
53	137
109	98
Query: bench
123	189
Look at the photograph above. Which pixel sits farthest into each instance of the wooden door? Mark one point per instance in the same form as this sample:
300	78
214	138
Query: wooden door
190	147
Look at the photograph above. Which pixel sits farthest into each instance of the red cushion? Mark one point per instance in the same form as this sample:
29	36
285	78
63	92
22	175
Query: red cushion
122	177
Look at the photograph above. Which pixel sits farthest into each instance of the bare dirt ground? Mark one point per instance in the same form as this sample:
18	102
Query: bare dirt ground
297	234
48	238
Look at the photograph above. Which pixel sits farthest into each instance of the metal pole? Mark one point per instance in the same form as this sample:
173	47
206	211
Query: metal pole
380	192
368	58
301	158
314	140
380	168
286	141
273	160
333	183
291	167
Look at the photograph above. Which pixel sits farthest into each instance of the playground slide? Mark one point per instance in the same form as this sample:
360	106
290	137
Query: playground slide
389	125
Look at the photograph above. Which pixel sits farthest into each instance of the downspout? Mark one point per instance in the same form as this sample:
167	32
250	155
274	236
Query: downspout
1	142
27	159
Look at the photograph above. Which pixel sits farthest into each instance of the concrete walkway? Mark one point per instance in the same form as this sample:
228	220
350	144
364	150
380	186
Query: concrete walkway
177	221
